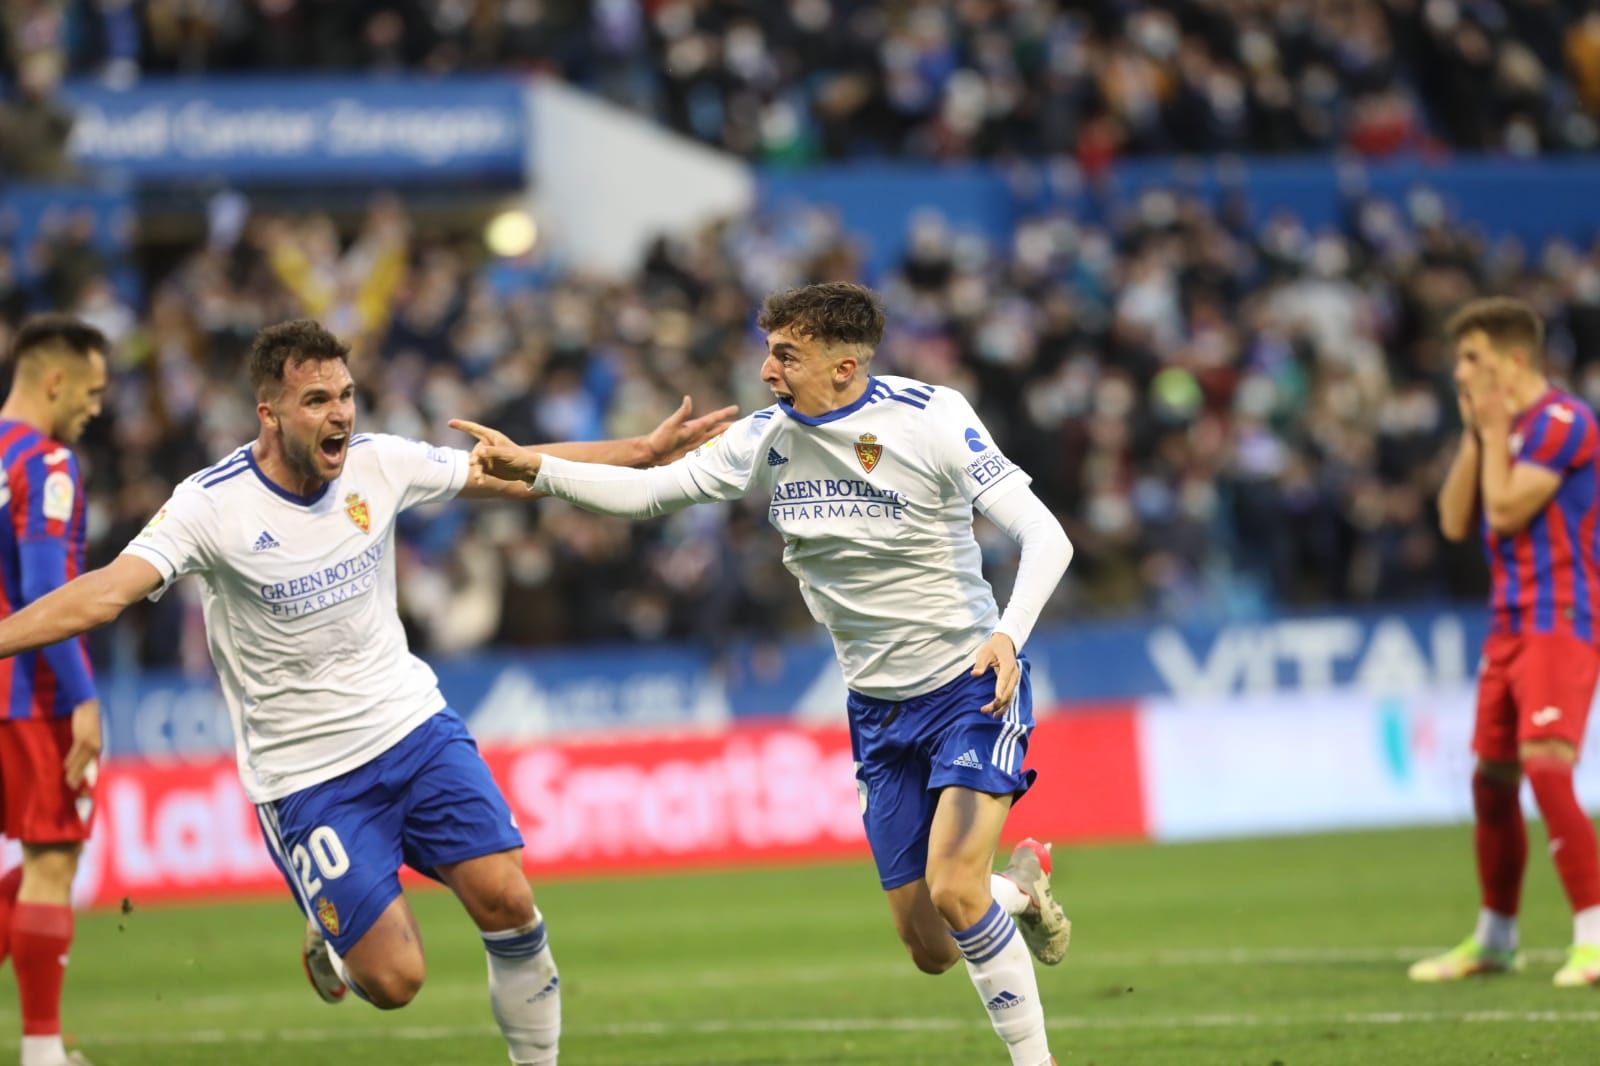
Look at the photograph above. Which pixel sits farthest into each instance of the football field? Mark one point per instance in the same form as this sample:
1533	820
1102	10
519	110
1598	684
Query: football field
1288	951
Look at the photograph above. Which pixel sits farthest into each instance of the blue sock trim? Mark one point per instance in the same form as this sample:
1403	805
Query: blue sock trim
987	937
516	943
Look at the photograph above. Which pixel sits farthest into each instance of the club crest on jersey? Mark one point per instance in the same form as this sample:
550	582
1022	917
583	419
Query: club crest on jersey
868	451
356	508
328	915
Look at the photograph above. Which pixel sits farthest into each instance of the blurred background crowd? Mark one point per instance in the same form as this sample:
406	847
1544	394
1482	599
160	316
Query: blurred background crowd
1228	412
804	79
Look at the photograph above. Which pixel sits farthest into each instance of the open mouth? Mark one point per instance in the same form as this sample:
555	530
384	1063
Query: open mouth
333	447
785	398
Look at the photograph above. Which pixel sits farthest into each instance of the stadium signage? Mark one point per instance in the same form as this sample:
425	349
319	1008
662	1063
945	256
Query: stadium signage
1309	654
330	128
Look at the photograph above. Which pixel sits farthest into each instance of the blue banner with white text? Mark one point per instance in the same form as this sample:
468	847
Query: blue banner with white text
275	129
508	697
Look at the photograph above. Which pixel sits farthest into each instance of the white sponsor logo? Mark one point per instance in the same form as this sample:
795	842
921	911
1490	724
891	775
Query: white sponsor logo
1561	414
1545	717
1311	654
772	791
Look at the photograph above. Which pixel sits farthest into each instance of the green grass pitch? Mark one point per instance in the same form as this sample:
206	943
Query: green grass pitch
1282	951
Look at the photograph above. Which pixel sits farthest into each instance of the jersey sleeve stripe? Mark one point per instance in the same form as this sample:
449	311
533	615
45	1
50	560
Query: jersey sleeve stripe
1569	447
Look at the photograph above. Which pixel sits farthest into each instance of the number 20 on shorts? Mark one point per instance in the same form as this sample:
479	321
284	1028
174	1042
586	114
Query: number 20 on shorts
326	853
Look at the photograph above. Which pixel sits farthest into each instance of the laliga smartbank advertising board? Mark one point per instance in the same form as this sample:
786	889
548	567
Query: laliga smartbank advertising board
749	794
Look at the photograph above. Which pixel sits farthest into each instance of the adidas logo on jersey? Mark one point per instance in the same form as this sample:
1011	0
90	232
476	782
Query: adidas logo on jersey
264	542
1005	1001
968	759
774	459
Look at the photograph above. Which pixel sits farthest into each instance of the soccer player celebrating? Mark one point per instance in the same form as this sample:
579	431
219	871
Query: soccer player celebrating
345	744
49	714
873	482
1528	461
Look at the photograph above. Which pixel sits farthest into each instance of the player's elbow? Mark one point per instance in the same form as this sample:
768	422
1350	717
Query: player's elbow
1505	521
1454	532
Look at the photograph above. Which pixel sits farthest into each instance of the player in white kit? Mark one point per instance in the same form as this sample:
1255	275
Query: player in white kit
344	742
873	482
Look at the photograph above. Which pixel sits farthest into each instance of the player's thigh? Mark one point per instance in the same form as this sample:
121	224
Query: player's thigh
492	888
339	847
386	960
897	813
976	771
1494	731
47	872
454	808
921	928
1554	681
39	806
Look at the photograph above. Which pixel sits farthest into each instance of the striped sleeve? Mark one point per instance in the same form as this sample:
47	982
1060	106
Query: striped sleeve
52	492
1559	438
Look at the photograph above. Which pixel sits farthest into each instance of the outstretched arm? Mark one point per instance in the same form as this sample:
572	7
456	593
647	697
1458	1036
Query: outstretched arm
677	435
82	604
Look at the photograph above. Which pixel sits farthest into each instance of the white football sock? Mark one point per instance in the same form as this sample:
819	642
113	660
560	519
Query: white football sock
525	992
43	1051
1586	926
1008	894
1497	931
1002	971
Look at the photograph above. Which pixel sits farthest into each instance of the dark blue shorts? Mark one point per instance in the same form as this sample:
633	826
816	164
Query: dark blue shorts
906	752
427	801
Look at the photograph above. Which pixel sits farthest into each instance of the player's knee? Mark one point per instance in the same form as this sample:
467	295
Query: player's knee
48	870
394	986
932	960
507	905
1546	751
960	900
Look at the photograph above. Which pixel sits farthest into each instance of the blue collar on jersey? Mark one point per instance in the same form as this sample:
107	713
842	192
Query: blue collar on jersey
292	497
837	413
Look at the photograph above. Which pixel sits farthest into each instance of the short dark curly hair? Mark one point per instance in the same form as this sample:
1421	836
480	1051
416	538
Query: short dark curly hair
834	312
290	343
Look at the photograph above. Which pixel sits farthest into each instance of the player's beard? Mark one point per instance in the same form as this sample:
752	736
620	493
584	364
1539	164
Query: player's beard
301	458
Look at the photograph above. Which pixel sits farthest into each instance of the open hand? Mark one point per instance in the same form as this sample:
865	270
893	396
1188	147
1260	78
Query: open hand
679	434
1000	655
1490	403
496	455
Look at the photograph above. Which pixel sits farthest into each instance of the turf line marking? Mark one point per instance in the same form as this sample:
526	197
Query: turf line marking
292	993
712	1027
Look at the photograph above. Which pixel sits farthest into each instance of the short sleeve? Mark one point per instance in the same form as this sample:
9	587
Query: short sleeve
965	453
1560	437
723	467
179	540
425	473
44	489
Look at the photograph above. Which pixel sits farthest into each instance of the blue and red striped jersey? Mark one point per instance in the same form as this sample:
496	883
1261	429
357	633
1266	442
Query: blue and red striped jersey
41	548
1546	578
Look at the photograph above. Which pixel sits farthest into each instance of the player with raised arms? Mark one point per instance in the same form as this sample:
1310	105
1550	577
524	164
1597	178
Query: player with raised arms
873	482
345	745
1529	465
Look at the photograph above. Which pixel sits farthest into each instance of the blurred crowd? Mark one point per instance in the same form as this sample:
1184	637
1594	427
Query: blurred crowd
1224	415
793	80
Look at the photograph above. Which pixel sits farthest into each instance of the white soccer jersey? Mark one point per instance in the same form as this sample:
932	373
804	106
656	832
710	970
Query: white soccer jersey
874	502
300	605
